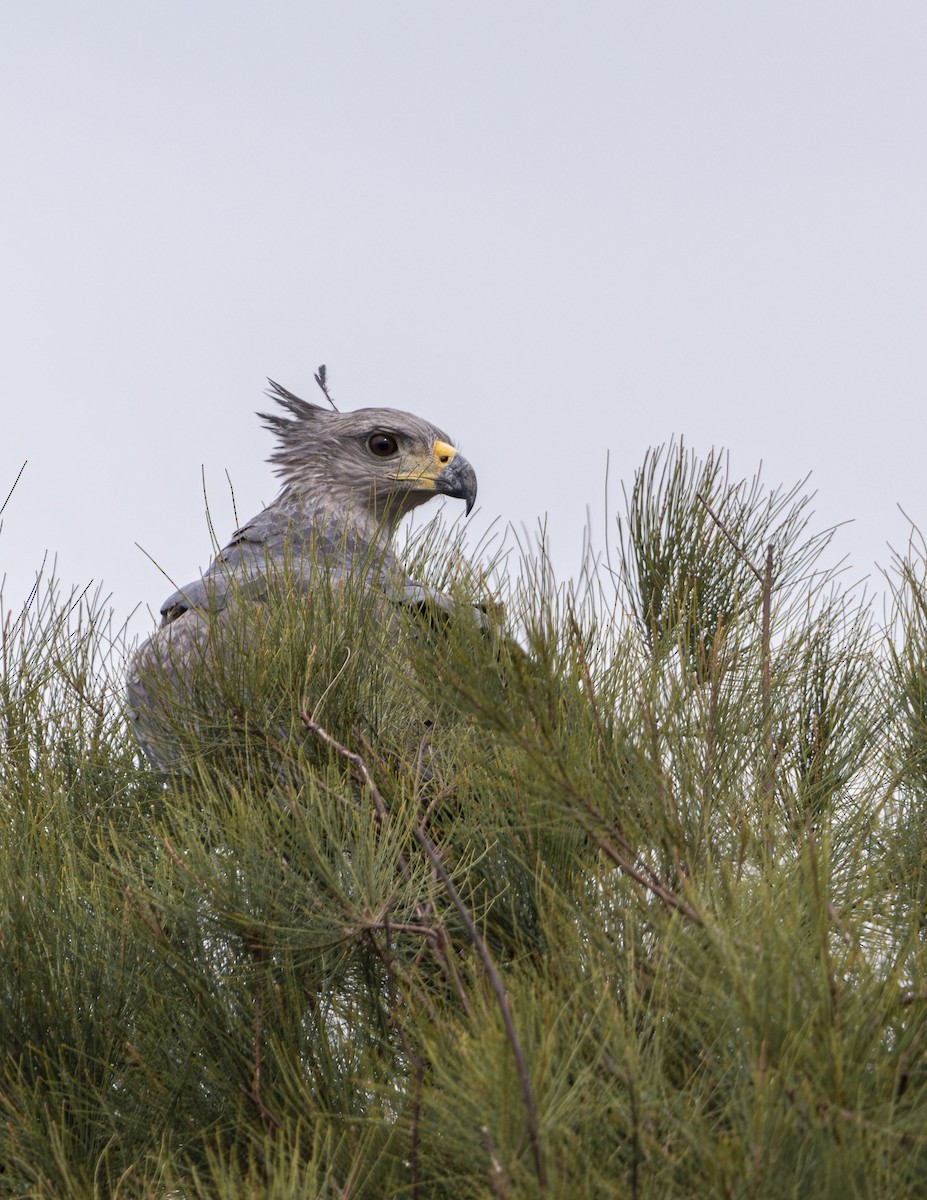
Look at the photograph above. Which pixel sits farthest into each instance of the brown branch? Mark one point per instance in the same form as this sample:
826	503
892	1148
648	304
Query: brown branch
184	866
730	537
144	914
71	679
473	934
766	580
379	804
839	922
498	988
765	701
497	1177
428	932
19	475
270	1120
418	1064
441	945
654	884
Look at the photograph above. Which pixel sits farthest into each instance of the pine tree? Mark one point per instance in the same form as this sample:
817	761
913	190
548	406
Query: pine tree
613	888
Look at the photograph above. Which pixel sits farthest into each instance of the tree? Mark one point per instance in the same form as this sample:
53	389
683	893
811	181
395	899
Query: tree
613	889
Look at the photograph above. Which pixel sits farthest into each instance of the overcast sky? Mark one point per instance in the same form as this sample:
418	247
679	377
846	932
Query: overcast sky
554	229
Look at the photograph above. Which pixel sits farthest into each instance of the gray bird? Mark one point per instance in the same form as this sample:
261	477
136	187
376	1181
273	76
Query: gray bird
348	479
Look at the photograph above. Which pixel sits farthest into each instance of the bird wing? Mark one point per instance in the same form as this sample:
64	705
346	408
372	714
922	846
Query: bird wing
242	566
272	545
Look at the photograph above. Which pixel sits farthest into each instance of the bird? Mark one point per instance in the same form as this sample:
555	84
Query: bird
348	479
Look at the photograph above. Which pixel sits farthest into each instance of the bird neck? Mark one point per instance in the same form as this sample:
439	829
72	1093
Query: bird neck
349	514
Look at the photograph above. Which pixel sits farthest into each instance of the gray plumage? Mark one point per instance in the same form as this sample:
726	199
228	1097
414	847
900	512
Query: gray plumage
348	479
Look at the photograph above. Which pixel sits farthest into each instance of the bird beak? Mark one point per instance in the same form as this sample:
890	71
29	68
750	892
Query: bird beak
444	471
457	479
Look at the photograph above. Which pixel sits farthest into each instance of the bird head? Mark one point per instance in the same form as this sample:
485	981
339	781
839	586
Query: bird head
372	465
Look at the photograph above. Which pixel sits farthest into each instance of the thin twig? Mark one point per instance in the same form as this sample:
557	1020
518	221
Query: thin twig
765	579
473	933
497	1177
839	922
438	942
209	523
19	475
654	884
730	537
232	494
415	1059
145	915
379	804
429	933
77	687
498	988
255	1093
766	704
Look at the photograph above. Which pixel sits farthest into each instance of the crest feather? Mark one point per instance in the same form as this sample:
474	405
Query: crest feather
292	439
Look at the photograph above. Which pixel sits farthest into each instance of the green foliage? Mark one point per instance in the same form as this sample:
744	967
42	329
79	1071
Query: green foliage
615	889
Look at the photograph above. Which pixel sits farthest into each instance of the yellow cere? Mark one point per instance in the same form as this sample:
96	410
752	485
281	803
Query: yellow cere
426	470
443	452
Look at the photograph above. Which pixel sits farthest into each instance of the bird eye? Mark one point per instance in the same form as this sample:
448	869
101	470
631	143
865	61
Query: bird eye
382	444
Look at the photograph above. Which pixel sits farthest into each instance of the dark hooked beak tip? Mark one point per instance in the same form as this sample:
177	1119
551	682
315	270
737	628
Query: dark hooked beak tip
458	479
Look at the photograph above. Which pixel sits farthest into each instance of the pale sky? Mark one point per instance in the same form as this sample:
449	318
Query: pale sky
556	230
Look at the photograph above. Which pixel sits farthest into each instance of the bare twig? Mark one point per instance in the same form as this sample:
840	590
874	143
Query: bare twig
19	475
497	1177
622	860
77	687
379	804
730	537
766	705
766	581
270	1120
840	923
144	913
209	524
415	1059
652	884
473	934
232	494
438	941
426	931
502	999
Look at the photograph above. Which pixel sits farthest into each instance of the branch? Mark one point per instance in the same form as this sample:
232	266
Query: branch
766	705
476	939
415	1059
439	944
653	884
498	988
766	580
730	537
19	475
623	861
